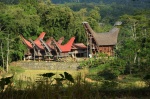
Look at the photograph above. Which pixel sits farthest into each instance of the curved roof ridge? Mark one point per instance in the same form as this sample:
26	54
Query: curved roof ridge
60	40
105	38
111	31
37	41
26	42
66	47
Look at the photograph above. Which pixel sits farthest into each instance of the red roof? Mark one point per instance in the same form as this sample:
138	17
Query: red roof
66	47
61	40
26	42
41	36
49	42
37	41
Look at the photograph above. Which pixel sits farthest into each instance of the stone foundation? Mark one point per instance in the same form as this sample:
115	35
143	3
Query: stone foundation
43	65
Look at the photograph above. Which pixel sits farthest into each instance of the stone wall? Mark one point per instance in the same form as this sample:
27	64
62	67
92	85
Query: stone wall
43	65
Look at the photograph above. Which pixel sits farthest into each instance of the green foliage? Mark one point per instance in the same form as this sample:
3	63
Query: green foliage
97	60
31	17
1	69
108	74
94	13
79	89
103	67
107	85
5	81
63	77
147	79
111	69
68	77
118	65
133	48
26	2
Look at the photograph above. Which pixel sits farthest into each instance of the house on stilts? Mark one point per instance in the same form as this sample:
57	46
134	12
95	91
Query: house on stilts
101	42
51	49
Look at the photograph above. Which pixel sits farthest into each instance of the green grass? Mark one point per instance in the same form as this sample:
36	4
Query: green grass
96	69
15	69
81	89
33	74
25	87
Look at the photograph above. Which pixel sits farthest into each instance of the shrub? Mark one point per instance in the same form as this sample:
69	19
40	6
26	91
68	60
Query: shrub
109	84
108	74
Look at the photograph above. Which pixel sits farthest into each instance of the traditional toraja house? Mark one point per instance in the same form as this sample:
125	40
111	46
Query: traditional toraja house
34	48
62	50
101	42
97	42
79	50
51	48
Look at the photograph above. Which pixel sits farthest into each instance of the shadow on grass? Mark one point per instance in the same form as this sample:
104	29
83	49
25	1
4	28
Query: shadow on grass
80	89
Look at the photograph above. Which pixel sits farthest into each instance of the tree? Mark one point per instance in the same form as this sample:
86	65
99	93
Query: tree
16	19
5	28
134	42
94	13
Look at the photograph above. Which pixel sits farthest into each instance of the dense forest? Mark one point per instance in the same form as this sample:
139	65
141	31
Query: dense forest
135	2
31	17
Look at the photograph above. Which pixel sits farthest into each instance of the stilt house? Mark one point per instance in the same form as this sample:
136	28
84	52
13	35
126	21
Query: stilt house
101	42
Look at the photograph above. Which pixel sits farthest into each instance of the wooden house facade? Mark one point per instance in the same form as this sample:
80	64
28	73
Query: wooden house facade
101	42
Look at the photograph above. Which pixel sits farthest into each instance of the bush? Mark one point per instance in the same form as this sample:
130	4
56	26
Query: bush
109	84
95	61
108	74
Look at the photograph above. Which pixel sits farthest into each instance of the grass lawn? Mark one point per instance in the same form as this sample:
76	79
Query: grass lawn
26	87
33	74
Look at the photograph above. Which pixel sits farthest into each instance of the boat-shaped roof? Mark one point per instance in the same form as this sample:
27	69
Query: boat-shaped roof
66	47
105	38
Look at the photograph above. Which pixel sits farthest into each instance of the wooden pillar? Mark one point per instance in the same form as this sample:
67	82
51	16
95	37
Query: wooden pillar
90	45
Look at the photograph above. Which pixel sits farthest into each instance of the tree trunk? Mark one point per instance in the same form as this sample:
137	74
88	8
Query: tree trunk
7	60
135	57
2	55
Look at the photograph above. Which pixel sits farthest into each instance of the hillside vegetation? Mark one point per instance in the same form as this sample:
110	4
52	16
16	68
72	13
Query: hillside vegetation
130	63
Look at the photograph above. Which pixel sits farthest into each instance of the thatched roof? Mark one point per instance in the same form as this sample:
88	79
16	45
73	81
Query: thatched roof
102	39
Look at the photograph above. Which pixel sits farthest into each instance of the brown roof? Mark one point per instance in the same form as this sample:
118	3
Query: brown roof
78	46
107	38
